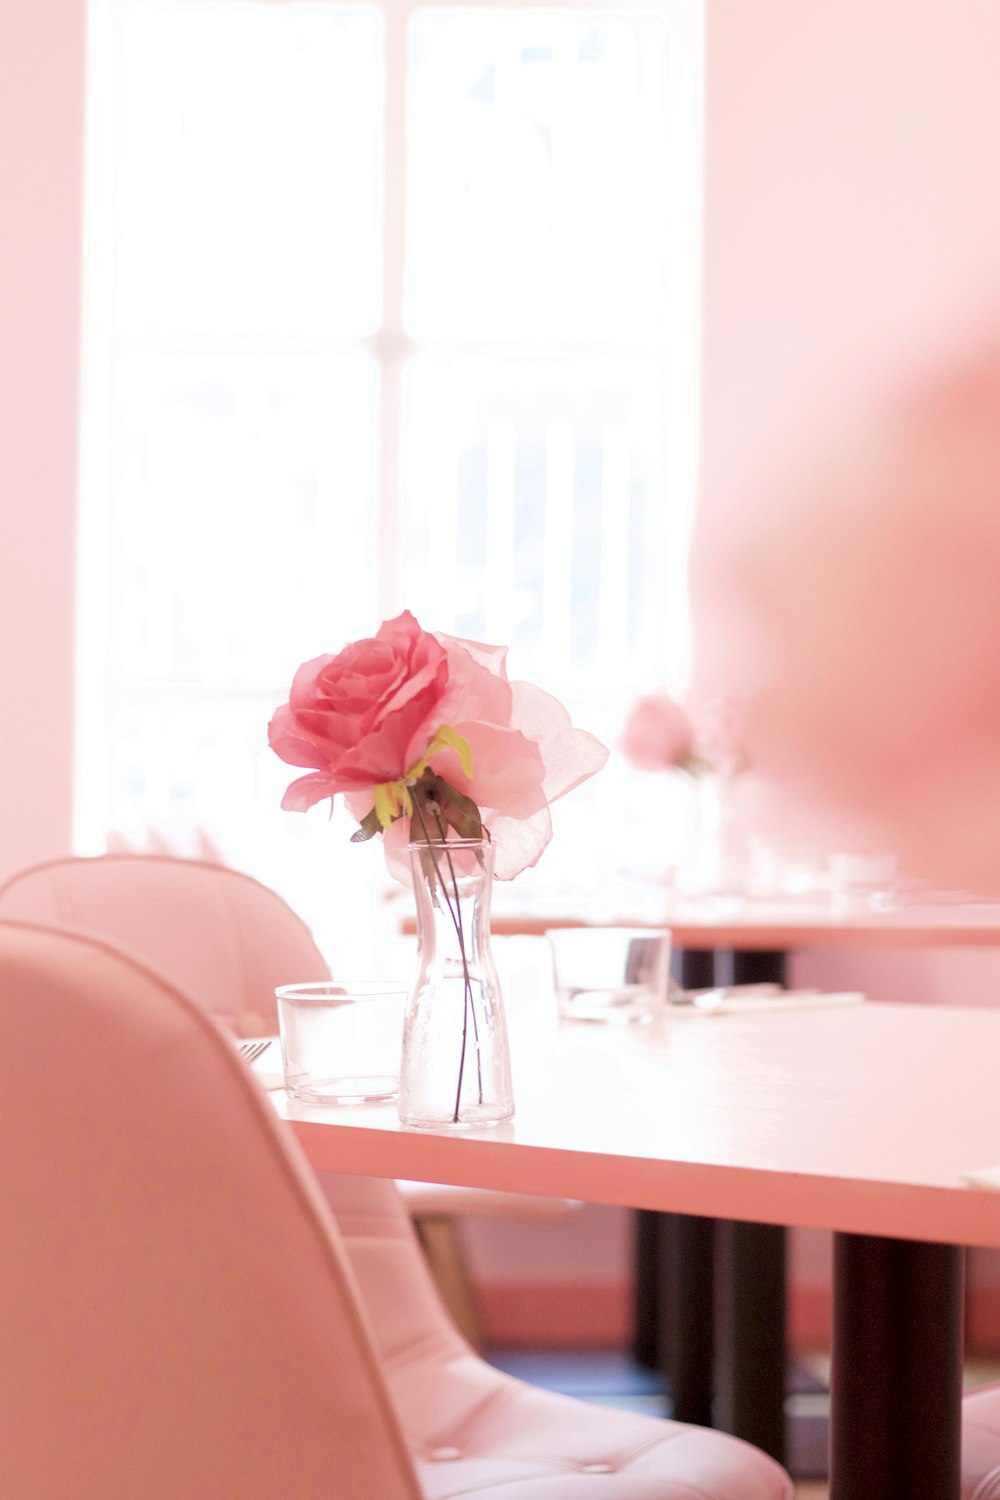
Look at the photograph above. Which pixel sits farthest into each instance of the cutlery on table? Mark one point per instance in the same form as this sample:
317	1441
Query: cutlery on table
711	999
253	1047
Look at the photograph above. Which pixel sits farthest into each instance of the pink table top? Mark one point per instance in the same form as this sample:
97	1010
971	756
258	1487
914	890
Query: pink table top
859	1118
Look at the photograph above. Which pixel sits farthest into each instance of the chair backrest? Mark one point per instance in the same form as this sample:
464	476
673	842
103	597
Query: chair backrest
225	940
218	934
178	1319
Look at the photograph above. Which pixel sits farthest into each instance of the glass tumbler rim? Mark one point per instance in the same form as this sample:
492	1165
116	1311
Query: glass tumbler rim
342	989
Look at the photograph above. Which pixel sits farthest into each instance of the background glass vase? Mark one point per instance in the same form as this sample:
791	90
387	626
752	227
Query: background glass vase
455	1068
616	975
715	856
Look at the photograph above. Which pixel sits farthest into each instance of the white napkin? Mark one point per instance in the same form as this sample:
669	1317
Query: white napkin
738	1005
984	1177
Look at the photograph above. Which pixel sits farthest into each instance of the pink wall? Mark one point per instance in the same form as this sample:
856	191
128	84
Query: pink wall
850	214
41	113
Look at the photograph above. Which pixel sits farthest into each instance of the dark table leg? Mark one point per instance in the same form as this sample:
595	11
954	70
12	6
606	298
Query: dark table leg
674	1311
895	1419
758	966
752	1355
674	1286
688	1294
694	968
752	1337
675	1323
647	1322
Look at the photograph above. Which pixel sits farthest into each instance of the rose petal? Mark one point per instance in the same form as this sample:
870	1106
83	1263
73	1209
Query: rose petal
474	690
355	716
306	792
507	770
493	658
570	755
520	843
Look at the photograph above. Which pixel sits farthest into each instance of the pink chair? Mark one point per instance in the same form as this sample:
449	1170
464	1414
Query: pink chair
227	940
981	1444
181	1319
219	935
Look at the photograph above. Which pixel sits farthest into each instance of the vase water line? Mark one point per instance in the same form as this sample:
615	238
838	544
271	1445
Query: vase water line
455	1066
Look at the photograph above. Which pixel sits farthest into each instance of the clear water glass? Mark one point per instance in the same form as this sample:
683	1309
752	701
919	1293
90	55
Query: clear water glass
616	975
340	1042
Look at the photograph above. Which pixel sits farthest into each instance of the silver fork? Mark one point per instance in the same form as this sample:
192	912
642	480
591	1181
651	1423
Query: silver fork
251	1049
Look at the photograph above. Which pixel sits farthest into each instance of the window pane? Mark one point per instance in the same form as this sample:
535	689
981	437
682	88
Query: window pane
248	169
243	526
538	163
535	516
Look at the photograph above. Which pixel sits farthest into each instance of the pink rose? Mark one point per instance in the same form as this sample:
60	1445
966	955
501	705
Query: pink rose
525	754
364	716
657	734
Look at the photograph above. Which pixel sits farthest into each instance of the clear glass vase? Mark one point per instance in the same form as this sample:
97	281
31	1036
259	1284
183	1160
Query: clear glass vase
455	1068
715	859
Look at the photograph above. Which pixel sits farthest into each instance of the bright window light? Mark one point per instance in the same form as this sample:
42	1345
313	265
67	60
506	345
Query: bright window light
387	306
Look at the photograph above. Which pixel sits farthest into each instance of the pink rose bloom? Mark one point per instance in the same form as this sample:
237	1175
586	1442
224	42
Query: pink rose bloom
525	754
364	716
658	735
368	716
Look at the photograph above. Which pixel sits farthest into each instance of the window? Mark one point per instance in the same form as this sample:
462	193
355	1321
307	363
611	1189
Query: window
387	305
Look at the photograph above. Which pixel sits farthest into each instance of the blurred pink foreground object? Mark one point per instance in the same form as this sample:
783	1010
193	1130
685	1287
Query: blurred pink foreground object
863	600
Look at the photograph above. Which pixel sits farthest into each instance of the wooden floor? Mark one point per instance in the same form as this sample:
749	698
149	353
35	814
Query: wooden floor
810	1492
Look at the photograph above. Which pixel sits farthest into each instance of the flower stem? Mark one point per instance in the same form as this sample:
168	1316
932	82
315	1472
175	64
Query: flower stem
455	911
470	1007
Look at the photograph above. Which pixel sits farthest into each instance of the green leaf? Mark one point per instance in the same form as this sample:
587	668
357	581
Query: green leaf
458	810
424	822
368	828
438	807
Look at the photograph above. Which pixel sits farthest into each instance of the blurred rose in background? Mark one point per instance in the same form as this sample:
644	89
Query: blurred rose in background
657	734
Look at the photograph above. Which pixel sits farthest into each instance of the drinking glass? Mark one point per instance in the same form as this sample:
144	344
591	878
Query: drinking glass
610	974
340	1041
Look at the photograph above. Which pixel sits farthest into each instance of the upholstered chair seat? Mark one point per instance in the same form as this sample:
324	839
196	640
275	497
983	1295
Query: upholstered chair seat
981	1444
